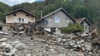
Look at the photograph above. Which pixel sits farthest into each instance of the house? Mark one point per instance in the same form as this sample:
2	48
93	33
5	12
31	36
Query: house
54	21
85	23
20	16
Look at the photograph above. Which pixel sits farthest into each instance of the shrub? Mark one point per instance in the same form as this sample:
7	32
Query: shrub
71	28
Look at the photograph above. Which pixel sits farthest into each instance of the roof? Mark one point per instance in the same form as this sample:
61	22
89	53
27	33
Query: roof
20	10
80	20
60	9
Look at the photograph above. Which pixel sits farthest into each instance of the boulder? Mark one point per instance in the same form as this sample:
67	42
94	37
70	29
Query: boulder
3	39
64	40
15	43
58	39
87	46
28	55
9	46
3	44
11	53
71	42
20	46
62	55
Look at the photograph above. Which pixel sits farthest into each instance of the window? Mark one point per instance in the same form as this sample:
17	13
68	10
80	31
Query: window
53	29
22	20
14	14
19	20
45	22
57	20
86	27
68	22
27	15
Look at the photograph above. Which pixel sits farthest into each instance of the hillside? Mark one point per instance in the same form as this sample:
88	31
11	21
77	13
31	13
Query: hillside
76	8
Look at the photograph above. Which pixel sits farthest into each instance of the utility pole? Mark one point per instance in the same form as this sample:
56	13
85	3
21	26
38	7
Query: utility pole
41	14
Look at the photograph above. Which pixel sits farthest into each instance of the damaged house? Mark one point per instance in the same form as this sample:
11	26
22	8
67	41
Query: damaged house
20	16
54	21
85	23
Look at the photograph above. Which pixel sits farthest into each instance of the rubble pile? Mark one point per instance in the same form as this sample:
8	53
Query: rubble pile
47	45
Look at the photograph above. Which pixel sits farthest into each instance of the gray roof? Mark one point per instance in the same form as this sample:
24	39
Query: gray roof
80	20
20	10
60	9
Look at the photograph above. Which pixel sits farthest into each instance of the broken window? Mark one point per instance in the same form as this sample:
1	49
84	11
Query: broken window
53	29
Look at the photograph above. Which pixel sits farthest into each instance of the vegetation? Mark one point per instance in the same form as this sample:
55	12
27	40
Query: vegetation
76	8
72	28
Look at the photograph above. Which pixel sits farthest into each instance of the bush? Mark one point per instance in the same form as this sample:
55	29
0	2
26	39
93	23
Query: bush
71	28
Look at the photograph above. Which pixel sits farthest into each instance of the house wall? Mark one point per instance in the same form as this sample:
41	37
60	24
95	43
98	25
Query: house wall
58	31
15	19
63	22
86	27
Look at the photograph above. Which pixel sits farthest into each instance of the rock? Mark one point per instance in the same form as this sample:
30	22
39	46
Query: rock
3	44
58	39
5	33
64	40
8	46
3	39
15	42
81	41
80	53
11	53
79	45
1	53
52	50
62	55
71	42
90	53
66	44
20	46
28	55
1	32
88	46
75	45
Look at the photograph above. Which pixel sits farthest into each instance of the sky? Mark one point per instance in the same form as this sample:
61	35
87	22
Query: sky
14	2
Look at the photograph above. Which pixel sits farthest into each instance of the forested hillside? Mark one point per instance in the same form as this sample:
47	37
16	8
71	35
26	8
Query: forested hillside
76	8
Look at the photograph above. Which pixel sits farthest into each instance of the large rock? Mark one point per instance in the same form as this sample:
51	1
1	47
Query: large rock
8	46
3	39
15	43
62	54
88	46
58	39
71	42
20	46
28	55
11	53
64	40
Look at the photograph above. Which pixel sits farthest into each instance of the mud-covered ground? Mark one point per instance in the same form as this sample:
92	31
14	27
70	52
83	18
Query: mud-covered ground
47	45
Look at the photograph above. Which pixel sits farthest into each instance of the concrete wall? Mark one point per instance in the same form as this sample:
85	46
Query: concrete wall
86	27
15	19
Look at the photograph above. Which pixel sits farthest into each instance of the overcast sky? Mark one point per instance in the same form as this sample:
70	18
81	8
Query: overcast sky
14	2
